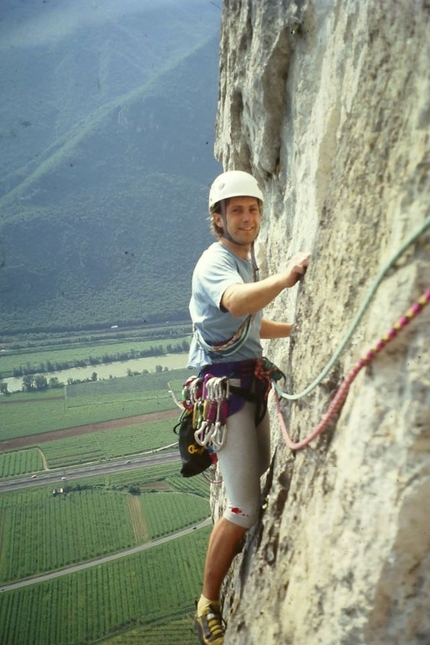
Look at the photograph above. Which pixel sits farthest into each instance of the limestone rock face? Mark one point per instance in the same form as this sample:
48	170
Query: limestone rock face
328	104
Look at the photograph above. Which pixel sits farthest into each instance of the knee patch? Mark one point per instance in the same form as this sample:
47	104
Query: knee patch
241	516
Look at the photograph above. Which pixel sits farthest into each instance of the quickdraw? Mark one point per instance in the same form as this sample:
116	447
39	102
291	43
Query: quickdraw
211	428
207	399
212	475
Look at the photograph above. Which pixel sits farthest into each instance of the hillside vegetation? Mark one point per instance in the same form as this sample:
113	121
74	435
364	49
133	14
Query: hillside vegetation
106	156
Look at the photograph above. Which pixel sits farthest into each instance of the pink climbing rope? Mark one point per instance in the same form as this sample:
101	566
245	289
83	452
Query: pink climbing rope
342	393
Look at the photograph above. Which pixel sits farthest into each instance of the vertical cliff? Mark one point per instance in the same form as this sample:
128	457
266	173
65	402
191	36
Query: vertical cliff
327	102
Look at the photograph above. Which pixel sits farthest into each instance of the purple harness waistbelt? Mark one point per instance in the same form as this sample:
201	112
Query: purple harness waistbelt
251	387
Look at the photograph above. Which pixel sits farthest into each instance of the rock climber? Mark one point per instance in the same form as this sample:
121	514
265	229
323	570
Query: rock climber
226	310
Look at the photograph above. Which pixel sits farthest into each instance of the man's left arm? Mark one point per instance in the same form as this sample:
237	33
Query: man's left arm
271	329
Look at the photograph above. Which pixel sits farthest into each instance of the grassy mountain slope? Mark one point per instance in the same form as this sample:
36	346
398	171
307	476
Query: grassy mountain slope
104	225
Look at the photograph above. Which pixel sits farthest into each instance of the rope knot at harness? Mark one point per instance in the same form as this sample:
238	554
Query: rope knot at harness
267	372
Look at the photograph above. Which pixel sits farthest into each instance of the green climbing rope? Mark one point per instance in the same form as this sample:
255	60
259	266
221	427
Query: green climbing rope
382	273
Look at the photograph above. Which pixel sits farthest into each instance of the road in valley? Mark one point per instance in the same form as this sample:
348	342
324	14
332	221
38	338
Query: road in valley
57	476
60	476
106	558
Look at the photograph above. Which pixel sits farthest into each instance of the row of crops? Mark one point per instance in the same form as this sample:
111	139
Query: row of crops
109	444
20	462
49	415
144	588
43	532
172	632
90	403
178	509
142	383
103	445
40	532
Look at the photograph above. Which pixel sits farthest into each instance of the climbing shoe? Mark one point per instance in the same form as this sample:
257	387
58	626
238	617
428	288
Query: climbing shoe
210	627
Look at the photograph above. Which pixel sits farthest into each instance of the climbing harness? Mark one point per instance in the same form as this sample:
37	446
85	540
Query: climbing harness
208	399
342	393
268	373
382	273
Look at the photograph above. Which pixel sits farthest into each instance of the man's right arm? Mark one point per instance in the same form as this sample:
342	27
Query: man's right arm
249	298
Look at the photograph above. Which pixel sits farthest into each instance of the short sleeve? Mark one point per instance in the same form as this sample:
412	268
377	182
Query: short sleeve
216	277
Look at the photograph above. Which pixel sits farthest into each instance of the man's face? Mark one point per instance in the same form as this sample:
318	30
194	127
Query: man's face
243	219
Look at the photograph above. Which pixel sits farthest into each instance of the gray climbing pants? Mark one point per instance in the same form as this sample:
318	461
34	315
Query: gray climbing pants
243	459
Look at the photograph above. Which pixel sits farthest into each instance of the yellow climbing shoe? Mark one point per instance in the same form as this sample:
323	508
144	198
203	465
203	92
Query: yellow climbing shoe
210	627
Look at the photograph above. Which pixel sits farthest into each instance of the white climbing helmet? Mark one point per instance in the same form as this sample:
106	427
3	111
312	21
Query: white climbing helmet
234	183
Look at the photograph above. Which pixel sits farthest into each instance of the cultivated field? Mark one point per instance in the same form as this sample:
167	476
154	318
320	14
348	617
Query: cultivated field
146	588
21	462
176	631
91	520
149	593
87	403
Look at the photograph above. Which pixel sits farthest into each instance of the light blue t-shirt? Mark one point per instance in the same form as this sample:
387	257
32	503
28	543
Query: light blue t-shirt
217	269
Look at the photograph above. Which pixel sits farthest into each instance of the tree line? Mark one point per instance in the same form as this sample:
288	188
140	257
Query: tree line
57	366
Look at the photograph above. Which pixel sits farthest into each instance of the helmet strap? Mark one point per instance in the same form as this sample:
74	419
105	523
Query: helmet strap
225	233
227	236
255	267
